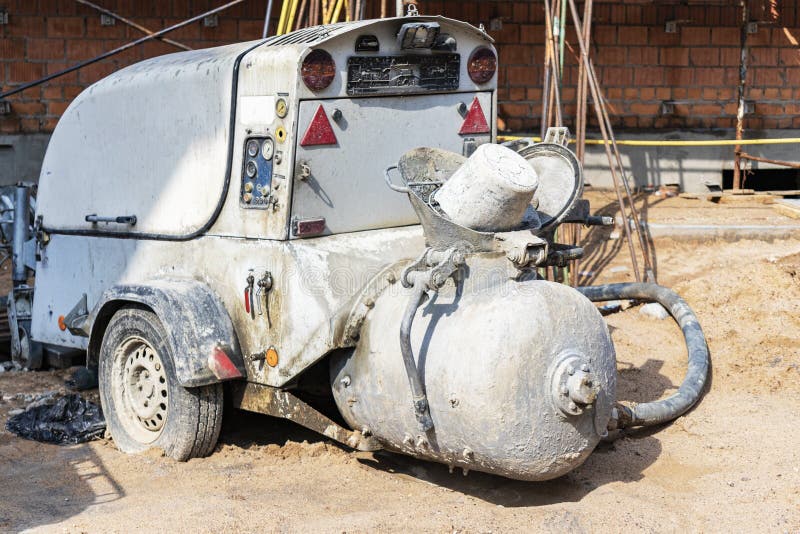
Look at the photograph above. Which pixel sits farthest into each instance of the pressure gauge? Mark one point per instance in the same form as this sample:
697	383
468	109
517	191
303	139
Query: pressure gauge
251	169
267	148
252	148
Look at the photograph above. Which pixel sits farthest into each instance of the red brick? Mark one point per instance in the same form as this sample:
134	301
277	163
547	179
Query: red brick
26	109
790	56
534	93
607	35
522	76
708	76
675	56
226	31
679	76
633	35
79	49
48	125
704	57
71	91
57	107
12	48
764	56
611	55
20	72
664	93
706	109
24	26
514	110
51	92
643	55
767	77
644	109
95	72
529	33
29	125
725	36
118	31
695	36
45	49
9	124
658	37
515	55
56	66
251	29
729	56
65	27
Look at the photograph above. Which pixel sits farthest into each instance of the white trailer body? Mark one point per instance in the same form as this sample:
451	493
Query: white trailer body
165	141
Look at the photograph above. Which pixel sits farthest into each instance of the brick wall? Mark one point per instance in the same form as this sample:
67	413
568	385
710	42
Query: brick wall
639	63
45	36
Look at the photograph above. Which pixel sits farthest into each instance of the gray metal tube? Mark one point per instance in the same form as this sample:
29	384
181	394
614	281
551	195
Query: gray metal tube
20	272
654	413
421	410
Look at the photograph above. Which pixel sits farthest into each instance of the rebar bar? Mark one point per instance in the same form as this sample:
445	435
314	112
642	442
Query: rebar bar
132	24
117	50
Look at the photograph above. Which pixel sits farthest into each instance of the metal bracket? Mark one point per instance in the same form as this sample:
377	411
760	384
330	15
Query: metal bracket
75	320
557	135
279	403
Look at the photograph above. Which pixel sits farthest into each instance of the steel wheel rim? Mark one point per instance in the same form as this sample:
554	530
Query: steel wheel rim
140	389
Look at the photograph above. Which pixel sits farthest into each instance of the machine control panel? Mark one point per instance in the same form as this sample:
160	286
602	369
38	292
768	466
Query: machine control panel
257	172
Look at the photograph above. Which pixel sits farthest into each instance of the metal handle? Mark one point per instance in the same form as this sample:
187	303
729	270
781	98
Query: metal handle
398	188
122	219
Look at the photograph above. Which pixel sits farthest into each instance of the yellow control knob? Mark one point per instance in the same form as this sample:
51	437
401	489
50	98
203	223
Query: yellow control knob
248	187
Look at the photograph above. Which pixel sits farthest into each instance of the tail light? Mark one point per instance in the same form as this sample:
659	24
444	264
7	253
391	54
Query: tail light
482	65
318	70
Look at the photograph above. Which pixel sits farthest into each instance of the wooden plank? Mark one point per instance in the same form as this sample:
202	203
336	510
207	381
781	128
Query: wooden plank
787	209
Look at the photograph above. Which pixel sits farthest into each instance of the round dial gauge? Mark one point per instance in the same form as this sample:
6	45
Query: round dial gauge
267	149
251	169
252	148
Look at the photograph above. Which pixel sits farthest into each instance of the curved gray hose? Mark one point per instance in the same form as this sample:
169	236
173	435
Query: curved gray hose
654	413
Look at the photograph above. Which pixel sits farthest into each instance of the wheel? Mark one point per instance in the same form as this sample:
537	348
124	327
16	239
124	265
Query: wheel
26	353
143	402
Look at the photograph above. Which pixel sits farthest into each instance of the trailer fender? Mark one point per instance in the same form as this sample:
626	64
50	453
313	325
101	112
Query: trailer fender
206	349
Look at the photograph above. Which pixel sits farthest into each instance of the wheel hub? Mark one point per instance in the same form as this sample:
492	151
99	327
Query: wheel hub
144	383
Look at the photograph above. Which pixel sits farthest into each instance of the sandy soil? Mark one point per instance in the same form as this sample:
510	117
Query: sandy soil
731	464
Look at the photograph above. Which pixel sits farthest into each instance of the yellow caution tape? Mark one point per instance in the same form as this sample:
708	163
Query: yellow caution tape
656	142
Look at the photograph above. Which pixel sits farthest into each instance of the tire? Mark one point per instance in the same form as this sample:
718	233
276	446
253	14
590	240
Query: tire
144	405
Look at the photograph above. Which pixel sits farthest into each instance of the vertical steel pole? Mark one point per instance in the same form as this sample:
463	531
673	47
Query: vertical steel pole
737	151
21	201
267	16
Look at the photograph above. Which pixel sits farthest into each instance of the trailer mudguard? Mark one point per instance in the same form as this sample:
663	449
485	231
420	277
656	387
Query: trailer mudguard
204	342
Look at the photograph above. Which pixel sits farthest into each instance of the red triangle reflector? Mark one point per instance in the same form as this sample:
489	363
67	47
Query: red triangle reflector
475	122
319	131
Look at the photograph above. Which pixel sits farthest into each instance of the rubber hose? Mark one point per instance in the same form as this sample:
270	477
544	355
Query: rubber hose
654	413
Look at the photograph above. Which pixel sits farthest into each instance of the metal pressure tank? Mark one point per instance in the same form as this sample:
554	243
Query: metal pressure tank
520	376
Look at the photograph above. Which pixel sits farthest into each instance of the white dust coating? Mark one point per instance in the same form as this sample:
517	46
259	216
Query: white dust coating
491	191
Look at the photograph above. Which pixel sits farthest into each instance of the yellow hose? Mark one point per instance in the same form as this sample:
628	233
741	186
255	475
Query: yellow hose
282	19
290	19
655	142
347	10
336	11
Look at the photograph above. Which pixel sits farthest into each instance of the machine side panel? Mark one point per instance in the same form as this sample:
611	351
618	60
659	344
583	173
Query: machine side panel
149	141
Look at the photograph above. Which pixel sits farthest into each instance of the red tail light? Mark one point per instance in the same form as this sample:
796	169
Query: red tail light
482	65
318	70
